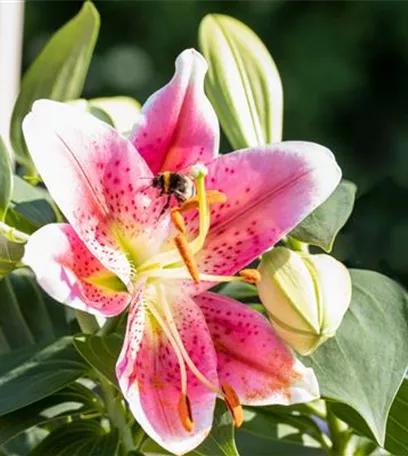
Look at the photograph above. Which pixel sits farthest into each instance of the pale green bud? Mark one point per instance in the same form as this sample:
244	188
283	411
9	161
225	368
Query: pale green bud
305	295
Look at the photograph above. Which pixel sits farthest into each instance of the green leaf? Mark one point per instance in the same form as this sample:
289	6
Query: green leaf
6	179
396	438
32	373
101	353
280	423
219	442
28	315
365	363
71	401
239	290
78	439
323	224
31	207
57	73
242	83
10	256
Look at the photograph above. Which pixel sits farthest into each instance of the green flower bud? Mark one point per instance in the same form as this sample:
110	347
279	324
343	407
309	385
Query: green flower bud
305	295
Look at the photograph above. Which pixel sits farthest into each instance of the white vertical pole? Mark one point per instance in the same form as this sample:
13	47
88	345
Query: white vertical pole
11	39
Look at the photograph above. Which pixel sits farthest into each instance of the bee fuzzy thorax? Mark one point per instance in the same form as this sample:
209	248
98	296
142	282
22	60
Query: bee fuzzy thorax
175	184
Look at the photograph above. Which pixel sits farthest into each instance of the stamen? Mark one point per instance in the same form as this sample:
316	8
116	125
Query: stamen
178	220
250	275
185	415
234	406
213	197
187	255
177	351
201	377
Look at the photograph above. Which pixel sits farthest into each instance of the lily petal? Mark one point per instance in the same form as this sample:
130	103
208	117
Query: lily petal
269	191
252	358
149	375
178	125
96	177
68	272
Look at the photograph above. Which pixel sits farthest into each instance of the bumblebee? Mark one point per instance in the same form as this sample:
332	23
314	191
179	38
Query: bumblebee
174	185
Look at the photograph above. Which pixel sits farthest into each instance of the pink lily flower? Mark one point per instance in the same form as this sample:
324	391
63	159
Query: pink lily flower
183	345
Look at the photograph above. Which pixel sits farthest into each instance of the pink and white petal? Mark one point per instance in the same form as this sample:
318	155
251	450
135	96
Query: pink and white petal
96	177
178	126
252	358
69	273
149	375
270	190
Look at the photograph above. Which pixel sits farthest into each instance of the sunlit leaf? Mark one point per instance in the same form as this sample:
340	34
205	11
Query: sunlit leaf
396	437
323	224
364	364
57	73
30	208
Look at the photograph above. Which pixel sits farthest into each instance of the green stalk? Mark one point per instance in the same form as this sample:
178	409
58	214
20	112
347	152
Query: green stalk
13	234
339	433
113	401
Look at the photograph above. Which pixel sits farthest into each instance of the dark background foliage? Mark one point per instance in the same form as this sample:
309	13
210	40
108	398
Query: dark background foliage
344	67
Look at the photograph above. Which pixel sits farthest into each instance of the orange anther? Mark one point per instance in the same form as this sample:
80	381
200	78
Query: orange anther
184	410
250	275
233	404
178	219
187	255
212	196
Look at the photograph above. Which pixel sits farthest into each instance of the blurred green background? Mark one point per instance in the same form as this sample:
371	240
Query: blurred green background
344	67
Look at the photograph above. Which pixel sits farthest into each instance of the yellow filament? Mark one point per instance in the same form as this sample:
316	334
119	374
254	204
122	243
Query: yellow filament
169	335
167	311
204	214
182	274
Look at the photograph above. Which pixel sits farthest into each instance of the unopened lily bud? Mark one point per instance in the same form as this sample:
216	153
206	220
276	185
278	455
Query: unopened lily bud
305	295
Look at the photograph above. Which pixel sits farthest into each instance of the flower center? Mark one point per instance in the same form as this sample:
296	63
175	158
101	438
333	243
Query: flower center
179	263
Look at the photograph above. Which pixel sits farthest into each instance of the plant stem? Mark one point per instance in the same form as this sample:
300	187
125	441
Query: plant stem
296	245
339	433
13	234
113	401
116	413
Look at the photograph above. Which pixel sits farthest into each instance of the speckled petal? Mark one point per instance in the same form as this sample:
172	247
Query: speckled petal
68	272
178	126
252	358
270	190
99	181
149	376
